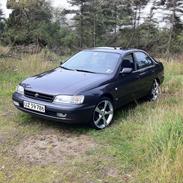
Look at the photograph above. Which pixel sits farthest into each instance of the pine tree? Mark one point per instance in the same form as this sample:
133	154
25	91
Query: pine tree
30	24
1	21
175	8
97	22
1	14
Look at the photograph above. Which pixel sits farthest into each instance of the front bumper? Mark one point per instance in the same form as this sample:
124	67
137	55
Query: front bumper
72	113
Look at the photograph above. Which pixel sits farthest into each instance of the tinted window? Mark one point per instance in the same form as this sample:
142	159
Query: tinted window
142	59
93	61
129	64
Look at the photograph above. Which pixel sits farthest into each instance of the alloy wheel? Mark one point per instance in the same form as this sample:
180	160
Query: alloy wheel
156	91
103	114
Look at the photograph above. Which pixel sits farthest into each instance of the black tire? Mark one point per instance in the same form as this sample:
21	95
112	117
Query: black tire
155	91
103	114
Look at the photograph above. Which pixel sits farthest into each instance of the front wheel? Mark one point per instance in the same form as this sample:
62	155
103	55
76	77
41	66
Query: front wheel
103	114
155	91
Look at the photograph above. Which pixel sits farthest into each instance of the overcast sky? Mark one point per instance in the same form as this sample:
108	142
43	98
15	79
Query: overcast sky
56	3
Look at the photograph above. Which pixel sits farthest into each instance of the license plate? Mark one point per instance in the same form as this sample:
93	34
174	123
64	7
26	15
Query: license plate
34	107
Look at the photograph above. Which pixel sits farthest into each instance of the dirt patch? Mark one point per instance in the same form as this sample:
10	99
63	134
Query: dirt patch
112	172
45	149
3	138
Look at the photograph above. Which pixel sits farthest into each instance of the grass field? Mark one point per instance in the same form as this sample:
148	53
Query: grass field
143	145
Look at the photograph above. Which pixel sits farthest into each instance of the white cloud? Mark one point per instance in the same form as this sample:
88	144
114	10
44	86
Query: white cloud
62	3
3	6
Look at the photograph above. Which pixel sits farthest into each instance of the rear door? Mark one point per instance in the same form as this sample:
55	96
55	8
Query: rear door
145	71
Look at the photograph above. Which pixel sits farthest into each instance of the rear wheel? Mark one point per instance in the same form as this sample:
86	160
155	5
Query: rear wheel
155	91
103	114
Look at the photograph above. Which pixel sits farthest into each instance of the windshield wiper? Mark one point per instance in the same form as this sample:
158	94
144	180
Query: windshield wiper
79	70
66	68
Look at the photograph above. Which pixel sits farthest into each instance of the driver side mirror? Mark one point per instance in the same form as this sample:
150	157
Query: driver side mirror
61	63
126	70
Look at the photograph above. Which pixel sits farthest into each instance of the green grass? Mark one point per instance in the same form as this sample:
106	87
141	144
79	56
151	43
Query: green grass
144	144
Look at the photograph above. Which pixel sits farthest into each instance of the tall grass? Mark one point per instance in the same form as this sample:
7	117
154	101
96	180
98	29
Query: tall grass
148	139
164	137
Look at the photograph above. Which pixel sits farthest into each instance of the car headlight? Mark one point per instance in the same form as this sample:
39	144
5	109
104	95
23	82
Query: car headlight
64	99
20	89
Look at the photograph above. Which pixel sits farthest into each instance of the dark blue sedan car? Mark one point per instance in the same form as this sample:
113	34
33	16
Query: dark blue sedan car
89	86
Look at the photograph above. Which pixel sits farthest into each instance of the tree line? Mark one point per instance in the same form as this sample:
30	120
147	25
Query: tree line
93	23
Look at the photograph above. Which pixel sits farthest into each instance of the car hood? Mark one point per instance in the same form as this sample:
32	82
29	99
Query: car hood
61	81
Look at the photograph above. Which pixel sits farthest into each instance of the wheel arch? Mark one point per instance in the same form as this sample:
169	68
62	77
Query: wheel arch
107	95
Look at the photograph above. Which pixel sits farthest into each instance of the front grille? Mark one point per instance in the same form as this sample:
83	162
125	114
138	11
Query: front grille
38	96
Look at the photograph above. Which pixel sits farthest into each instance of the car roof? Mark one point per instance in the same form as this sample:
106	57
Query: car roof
114	50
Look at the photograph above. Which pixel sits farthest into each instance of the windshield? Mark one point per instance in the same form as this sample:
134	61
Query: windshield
93	61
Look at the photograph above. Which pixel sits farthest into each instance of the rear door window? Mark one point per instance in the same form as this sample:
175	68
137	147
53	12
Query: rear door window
142	60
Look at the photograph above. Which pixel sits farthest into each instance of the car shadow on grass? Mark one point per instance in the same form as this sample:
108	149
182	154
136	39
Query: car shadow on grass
121	113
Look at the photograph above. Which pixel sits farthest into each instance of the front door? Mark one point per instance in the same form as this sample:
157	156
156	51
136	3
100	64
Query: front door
127	84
